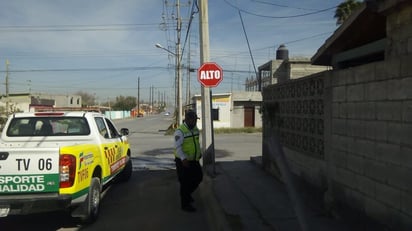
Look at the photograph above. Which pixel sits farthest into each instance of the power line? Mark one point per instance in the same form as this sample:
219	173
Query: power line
63	28
248	44
270	47
270	16
101	69
87	69
279	5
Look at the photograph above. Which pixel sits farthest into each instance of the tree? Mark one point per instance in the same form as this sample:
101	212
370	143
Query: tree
124	103
344	10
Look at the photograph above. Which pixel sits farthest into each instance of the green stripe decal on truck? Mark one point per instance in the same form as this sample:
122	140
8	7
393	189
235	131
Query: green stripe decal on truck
29	183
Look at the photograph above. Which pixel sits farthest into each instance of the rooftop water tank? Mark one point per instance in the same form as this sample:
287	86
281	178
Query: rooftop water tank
282	53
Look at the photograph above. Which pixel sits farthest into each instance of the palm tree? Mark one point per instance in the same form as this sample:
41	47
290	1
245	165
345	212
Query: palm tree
344	10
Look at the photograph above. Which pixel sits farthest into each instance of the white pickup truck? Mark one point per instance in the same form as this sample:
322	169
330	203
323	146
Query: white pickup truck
60	161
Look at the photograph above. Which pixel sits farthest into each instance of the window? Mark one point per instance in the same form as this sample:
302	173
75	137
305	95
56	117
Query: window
48	126
113	131
215	114
102	127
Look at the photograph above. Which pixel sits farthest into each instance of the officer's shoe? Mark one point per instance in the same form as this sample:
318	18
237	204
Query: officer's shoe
189	208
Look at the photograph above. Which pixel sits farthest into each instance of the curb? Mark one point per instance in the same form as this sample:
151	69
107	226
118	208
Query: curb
215	214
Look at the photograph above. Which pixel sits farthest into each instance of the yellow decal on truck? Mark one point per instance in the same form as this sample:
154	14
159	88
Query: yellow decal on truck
114	159
117	165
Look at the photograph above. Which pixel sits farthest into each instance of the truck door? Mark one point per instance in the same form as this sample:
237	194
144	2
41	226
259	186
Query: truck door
112	145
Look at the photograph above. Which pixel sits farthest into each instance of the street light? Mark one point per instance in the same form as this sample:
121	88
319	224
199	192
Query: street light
158	45
179	81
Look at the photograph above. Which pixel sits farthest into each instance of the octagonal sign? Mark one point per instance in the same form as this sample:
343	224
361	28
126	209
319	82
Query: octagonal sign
210	74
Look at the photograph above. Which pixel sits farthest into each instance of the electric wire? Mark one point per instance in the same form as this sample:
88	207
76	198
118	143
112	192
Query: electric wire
71	28
193	12
270	16
279	5
248	44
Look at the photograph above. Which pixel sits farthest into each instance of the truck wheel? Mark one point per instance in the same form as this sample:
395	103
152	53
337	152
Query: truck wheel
92	203
126	173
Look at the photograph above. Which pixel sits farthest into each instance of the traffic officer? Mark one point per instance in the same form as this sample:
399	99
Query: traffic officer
187	154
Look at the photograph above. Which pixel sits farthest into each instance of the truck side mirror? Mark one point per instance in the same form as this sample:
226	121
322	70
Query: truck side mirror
124	131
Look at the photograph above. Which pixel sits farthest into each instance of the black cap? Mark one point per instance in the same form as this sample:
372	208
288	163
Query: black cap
191	115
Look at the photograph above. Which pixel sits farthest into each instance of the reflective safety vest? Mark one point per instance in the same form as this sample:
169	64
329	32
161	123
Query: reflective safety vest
190	146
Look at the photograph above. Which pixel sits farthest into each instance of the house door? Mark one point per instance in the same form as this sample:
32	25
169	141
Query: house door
249	117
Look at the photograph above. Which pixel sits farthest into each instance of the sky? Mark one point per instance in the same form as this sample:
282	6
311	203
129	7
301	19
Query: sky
103	47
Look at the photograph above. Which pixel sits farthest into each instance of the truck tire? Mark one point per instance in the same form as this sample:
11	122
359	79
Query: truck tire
126	173
92	203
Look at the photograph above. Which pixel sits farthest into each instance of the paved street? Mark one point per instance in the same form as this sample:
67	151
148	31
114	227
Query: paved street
150	200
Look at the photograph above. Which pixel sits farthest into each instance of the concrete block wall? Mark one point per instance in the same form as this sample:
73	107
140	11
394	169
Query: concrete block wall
367	161
371	141
371	129
295	113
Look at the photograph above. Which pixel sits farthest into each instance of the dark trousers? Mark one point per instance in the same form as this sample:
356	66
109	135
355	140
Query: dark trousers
189	178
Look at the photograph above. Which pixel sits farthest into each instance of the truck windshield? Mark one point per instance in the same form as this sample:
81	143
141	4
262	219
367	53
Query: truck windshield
48	126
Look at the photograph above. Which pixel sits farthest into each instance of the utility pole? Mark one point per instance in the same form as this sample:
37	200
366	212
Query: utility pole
208	146
178	65
138	96
7	87
150	100
188	75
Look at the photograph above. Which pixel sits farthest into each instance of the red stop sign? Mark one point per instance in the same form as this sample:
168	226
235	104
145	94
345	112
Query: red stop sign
210	74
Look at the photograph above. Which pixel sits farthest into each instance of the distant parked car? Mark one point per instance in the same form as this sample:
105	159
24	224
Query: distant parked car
167	113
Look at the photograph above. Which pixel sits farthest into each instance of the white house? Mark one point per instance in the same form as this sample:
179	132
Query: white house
29	102
233	110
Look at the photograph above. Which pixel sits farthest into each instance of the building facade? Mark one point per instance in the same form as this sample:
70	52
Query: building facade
233	110
282	69
26	102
